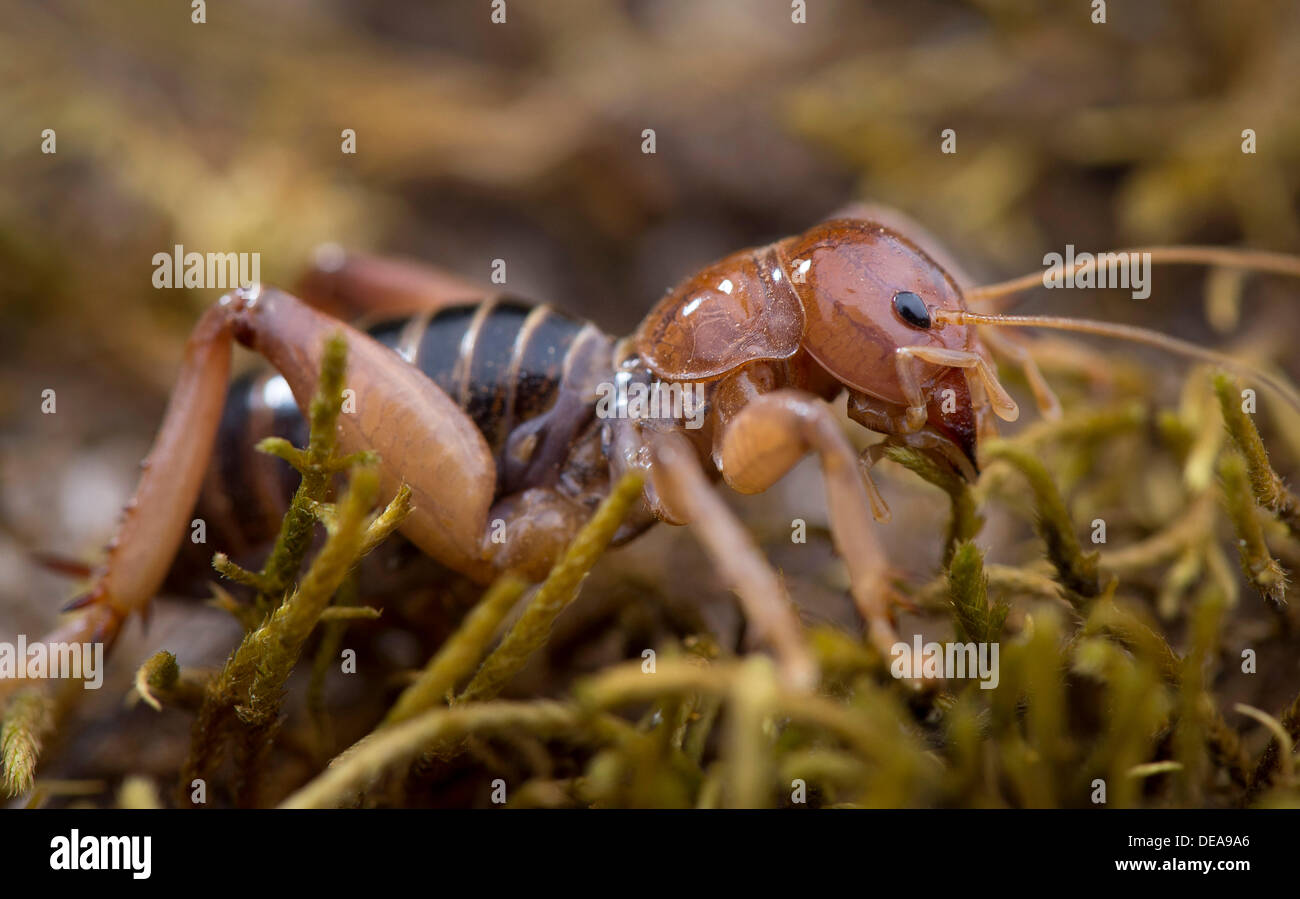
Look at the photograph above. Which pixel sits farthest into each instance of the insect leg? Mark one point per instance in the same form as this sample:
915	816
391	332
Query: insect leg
155	520
529	531
680	484
809	424
1020	352
909	379
1003	404
352	285
1280	385
422	436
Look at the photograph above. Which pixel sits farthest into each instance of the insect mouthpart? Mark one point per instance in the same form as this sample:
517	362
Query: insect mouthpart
911	309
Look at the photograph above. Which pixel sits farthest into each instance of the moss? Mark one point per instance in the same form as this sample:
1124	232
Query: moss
1269	489
964	523
241	705
556	593
1262	571
975	619
28	721
1103	679
460	654
1076	570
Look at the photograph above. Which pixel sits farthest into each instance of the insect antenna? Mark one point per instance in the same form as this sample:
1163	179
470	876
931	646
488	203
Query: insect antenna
1131	333
1225	257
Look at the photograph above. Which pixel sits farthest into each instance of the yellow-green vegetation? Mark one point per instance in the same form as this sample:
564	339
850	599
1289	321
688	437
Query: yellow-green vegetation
1113	658
26	724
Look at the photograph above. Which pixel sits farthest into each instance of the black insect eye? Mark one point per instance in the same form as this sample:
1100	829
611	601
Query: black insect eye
911	309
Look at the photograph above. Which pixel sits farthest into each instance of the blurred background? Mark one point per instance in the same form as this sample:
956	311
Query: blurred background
523	141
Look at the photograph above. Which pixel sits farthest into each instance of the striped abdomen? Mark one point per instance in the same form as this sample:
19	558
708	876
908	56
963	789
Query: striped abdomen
502	361
524	374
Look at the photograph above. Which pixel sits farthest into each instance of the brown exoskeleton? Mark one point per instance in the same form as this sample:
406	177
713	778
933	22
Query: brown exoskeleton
487	408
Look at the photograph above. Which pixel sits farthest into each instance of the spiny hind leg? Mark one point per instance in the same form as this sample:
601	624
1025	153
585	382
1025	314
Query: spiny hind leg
399	414
155	520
